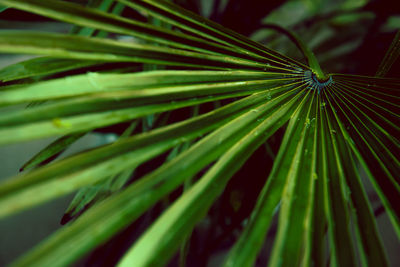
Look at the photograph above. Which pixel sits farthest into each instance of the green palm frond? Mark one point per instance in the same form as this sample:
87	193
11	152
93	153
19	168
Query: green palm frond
336	127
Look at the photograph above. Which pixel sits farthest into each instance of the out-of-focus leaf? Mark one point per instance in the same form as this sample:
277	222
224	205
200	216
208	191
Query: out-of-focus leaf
92	194
390	57
52	151
392	24
346	19
353	4
103	5
203	27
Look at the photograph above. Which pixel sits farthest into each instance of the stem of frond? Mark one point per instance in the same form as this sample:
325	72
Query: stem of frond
305	50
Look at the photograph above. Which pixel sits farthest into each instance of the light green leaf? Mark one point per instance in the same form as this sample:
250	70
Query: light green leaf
203	27
137	83
92	18
107	50
161	240
41	66
370	241
292	246
337	127
64	117
70	174
242	253
102	5
121	209
335	193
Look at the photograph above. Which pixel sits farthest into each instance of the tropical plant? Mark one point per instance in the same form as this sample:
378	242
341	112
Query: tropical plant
207	99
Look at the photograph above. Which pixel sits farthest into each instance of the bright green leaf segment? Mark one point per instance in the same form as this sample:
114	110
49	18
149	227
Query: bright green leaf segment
150	188
107	50
169	137
190	102
41	66
244	254
140	84
184	214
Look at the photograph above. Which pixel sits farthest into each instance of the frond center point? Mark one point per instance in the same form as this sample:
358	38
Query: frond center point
315	83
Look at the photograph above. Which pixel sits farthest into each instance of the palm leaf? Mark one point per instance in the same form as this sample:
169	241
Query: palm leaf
335	126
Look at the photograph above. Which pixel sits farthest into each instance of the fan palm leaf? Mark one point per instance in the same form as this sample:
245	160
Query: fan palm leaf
335	125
